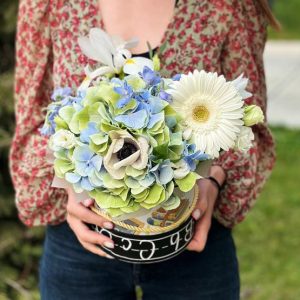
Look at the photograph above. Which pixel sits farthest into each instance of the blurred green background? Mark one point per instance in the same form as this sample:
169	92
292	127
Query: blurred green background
268	241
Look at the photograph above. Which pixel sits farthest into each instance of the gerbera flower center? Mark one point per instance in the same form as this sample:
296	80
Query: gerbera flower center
200	113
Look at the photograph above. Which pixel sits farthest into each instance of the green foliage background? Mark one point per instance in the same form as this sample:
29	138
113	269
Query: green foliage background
268	243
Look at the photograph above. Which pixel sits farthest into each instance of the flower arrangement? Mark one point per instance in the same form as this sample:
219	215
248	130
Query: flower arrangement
137	143
128	137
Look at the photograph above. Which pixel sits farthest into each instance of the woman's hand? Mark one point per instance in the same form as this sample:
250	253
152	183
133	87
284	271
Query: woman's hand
77	215
208	193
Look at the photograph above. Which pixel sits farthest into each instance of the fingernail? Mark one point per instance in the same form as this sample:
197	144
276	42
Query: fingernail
108	225
88	202
110	257
108	245
196	214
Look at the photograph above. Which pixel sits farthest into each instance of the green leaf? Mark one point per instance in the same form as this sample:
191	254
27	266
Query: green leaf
161	151
173	156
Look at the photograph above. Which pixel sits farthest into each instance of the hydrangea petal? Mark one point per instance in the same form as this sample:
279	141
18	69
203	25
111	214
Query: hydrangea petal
72	177
82	153
187	183
166	174
136	120
85	184
172	203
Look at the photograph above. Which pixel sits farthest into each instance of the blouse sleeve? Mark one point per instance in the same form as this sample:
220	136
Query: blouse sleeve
32	175
246	172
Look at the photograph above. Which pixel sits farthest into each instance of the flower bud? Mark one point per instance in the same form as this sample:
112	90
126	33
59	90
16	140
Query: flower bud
156	62
253	115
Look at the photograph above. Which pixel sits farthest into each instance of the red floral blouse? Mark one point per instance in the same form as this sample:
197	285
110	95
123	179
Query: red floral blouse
226	36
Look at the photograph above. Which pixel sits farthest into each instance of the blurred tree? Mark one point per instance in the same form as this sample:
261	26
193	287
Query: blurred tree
20	248
8	17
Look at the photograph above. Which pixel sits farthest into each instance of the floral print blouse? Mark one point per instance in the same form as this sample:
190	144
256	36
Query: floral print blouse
226	36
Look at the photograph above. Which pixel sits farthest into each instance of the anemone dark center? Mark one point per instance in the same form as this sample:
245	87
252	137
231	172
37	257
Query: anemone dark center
127	150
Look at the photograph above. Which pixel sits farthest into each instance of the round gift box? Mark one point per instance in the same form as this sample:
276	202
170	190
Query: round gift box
143	243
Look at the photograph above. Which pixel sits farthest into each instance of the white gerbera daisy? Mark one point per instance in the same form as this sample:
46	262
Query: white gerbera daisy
211	108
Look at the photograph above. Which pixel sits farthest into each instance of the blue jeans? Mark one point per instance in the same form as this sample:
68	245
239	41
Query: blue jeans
69	272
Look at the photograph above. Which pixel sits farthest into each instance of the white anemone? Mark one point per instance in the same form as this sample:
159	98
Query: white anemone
136	156
211	107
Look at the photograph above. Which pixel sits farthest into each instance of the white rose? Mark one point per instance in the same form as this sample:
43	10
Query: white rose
62	139
244	140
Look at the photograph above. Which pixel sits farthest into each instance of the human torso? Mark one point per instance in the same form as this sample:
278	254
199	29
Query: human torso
193	39
201	35
144	19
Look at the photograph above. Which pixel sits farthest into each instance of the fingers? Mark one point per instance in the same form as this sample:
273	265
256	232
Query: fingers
88	202
86	215
87	236
202	226
95	249
78	213
201	232
200	207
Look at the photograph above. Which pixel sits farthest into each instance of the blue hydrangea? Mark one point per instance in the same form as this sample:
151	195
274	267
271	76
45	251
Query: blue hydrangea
86	175
126	93
86	133
150	77
60	93
192	157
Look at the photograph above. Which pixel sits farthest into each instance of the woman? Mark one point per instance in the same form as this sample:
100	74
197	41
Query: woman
225	36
